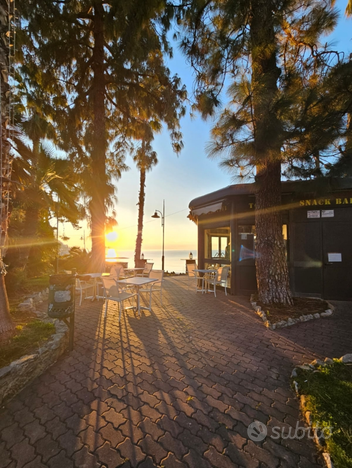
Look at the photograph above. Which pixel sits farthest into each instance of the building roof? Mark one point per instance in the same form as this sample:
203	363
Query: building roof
322	184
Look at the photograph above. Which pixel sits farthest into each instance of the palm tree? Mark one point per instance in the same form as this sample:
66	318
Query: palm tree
145	158
42	181
6	323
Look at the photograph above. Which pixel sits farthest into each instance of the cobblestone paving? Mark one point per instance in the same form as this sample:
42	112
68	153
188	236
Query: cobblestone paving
176	387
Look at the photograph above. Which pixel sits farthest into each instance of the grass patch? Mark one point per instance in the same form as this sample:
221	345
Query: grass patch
37	284
28	338
329	398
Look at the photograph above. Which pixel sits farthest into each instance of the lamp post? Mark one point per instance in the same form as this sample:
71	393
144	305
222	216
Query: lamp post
159	214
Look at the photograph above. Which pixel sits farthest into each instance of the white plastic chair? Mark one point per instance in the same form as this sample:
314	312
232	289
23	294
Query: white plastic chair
147	269
220	278
157	286
84	286
113	293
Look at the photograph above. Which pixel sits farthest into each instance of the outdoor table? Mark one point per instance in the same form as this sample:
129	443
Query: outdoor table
137	282
204	272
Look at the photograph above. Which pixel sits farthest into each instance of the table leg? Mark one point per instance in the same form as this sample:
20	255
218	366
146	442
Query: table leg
138	303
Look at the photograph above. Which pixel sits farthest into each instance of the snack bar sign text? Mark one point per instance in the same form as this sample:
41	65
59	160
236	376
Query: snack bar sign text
326	202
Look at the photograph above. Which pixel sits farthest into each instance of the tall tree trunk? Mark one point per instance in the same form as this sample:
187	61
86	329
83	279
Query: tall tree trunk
32	210
271	265
6	323
29	233
98	174
141	200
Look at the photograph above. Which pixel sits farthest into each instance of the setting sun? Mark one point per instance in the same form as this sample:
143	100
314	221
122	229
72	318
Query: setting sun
112	236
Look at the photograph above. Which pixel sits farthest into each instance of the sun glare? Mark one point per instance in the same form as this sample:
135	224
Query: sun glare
111	236
110	255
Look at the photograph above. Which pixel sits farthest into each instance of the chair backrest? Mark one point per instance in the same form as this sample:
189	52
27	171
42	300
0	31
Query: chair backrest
190	269
224	273
116	271
110	287
147	268
157	274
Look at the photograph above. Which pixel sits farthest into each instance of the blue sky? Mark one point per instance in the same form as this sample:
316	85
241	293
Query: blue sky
179	179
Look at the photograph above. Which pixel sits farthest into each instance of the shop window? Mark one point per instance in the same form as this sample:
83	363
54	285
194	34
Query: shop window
217	244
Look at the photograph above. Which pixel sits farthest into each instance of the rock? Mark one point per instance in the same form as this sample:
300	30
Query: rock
28	304
294	373
295	384
316	316
304	367
309	317
28	301
5	371
290	321
347	358
38	298
273	326
328	361
327	313
24	307
317	362
23	360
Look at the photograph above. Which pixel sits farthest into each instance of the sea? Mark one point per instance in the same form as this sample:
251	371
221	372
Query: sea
175	260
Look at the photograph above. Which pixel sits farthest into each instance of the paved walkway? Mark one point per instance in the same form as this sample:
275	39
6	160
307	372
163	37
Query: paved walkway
177	387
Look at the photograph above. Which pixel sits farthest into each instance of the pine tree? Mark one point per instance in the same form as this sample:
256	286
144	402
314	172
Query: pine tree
246	45
100	67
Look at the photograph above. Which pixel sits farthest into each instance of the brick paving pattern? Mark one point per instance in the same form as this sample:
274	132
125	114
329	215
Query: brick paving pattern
176	387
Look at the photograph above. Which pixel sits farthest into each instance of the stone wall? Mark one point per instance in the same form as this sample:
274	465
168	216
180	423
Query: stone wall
18	374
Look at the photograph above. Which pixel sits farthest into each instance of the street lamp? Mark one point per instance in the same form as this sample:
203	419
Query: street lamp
157	214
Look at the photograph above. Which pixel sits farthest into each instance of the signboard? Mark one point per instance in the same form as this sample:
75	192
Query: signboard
327	213
313	214
334	257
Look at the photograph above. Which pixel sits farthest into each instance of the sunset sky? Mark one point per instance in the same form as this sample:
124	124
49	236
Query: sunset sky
178	179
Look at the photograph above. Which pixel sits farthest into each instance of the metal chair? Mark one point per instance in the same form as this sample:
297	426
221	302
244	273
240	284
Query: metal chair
220	278
113	293
117	272
147	269
194	274
83	286
157	286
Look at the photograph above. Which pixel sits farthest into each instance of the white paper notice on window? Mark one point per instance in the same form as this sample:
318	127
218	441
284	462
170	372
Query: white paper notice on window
327	213
243	236
313	214
334	257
